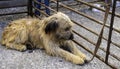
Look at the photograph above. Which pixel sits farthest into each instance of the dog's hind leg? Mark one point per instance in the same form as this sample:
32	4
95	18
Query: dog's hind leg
15	46
14	37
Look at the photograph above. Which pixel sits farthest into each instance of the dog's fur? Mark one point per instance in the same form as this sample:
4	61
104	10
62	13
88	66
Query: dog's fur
53	34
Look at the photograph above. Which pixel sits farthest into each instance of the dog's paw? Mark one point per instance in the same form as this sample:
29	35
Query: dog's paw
81	55
22	48
78	60
85	62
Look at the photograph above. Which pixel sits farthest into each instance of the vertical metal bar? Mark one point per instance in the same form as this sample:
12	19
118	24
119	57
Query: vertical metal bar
47	2
57	5
110	32
101	32
37	6
29	8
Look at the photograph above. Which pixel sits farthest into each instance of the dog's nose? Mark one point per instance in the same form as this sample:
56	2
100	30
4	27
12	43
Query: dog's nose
71	37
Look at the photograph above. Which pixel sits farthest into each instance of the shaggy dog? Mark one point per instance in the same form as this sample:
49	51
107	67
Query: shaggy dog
53	34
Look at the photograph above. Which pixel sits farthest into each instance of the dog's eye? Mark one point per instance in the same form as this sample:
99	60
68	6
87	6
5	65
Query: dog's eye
68	28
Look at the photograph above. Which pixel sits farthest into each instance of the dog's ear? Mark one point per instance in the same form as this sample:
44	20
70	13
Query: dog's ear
51	27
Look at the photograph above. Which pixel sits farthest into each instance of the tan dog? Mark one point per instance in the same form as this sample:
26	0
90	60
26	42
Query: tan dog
53	34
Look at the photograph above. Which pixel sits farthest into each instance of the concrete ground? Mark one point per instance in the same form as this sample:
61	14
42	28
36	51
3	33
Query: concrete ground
12	59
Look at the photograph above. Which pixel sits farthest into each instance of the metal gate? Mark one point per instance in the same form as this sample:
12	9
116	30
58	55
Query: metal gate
48	7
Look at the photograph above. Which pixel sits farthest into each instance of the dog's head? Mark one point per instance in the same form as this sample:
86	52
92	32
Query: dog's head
59	25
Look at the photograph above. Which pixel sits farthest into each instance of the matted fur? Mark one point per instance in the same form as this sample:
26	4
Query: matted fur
53	34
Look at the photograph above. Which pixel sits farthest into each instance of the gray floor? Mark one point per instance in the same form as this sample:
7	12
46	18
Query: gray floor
11	59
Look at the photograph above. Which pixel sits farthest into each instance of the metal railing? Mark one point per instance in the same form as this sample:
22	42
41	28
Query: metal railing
92	31
31	12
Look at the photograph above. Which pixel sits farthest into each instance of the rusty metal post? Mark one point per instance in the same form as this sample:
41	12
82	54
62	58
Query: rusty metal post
110	32
29	8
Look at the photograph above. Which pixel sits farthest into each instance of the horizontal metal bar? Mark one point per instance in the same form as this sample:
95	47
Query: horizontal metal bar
4	0
12	13
118	15
91	18
117	45
13	6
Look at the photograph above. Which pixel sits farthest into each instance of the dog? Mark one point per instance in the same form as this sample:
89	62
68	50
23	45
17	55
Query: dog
53	33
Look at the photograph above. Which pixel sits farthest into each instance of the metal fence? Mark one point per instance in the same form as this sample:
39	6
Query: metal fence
35	5
12	4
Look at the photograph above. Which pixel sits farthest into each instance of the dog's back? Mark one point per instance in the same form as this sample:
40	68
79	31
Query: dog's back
18	30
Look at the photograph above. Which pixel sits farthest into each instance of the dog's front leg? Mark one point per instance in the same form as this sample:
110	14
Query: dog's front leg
54	50
75	50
